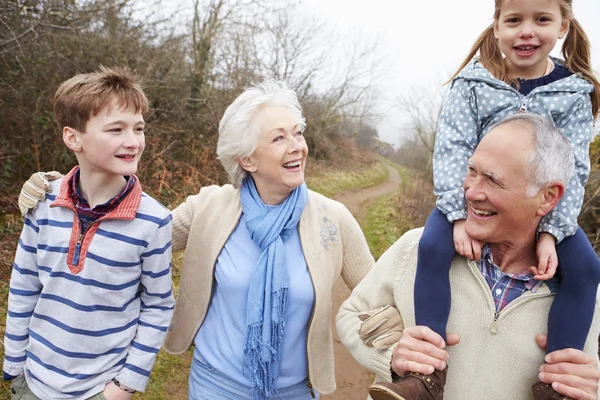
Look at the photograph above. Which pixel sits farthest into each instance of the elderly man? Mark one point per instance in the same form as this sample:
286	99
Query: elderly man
492	349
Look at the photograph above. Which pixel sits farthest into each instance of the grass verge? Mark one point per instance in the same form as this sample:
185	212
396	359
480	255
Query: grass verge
332	183
384	222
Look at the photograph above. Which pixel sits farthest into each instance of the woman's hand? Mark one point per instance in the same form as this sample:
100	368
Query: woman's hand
34	190
463	244
547	258
381	328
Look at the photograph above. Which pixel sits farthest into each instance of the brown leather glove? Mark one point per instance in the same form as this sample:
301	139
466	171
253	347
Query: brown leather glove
34	190
381	328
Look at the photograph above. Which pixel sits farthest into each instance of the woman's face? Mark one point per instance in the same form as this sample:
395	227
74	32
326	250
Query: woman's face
280	157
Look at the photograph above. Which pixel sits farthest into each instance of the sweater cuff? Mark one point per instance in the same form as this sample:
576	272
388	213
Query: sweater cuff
456	215
547	228
382	363
7	377
132	380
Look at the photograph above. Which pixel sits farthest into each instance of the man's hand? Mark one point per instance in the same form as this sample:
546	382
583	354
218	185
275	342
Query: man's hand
112	392
34	190
571	372
381	328
421	350
463	244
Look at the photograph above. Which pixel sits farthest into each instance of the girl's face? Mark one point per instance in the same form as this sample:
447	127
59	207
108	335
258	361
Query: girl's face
527	31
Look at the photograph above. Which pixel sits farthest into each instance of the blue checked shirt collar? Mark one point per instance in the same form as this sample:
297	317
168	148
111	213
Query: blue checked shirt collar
507	287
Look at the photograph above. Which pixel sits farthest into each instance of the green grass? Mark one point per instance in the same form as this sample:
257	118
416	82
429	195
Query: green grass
333	183
384	223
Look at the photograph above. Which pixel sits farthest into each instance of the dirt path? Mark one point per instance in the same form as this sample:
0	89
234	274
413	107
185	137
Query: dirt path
352	379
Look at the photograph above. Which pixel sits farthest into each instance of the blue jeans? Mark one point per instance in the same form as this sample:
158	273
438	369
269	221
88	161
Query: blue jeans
207	383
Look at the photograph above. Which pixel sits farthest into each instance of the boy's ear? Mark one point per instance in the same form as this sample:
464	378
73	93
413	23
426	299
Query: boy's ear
71	139
550	196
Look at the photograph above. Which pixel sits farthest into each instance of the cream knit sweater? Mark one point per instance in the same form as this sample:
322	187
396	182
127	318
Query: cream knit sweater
497	357
333	246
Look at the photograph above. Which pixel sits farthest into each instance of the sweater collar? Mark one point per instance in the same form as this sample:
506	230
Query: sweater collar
126	209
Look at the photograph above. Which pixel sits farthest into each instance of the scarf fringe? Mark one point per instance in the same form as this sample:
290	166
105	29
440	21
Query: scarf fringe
262	359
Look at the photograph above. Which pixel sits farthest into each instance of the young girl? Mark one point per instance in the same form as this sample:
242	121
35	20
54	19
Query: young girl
513	73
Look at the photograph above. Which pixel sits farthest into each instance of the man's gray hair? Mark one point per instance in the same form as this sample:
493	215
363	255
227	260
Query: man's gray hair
551	158
239	132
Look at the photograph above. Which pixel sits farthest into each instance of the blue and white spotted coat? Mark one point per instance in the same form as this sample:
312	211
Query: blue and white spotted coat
476	101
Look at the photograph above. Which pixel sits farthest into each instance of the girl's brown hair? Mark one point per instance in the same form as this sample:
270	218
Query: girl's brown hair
575	51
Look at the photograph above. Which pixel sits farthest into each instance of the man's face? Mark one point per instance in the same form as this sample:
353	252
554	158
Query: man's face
496	184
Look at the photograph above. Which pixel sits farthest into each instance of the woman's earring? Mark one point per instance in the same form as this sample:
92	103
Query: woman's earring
253	168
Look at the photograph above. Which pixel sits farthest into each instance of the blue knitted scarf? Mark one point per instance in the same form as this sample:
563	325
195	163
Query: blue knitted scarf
267	296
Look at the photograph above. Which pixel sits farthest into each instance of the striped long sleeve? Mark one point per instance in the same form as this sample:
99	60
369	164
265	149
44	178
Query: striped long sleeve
25	289
157	304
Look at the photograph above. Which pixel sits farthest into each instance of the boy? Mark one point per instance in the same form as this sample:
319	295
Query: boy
90	293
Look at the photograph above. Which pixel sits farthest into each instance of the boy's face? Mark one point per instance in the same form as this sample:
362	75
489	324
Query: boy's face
112	143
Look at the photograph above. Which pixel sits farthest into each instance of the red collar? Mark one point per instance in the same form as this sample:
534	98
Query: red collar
126	209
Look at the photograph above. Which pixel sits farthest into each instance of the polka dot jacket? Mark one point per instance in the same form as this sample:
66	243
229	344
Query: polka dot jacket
476	101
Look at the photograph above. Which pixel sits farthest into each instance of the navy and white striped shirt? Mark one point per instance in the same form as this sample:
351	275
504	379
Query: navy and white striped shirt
72	330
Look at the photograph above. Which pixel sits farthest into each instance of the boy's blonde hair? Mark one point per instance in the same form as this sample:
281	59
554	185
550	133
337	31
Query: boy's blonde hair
575	51
82	97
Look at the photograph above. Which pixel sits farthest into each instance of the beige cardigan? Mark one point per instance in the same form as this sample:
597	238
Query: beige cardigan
333	246
497	358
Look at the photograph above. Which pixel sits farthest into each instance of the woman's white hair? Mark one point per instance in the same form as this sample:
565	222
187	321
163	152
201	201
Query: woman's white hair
551	158
239	132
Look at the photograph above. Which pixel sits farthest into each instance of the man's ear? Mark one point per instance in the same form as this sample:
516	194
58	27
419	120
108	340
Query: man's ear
246	163
550	196
71	139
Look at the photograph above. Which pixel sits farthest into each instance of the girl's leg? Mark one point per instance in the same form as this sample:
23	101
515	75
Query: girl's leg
432	283
573	307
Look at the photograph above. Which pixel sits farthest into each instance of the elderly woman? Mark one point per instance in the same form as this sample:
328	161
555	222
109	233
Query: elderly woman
261	259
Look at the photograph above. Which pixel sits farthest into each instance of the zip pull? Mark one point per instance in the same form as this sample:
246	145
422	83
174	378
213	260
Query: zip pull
495	326
523	104
77	249
312	393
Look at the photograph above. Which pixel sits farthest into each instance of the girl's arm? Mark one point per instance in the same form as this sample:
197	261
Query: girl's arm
455	143
576	125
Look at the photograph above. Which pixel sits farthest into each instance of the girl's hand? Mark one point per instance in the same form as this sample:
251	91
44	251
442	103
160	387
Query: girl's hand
547	259
464	245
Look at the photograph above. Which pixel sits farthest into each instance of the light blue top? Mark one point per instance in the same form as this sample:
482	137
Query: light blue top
476	101
220	340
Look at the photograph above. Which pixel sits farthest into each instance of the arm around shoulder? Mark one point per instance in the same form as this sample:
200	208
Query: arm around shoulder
184	215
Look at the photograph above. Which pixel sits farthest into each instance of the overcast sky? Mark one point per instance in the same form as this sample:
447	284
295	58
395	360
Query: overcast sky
425	41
